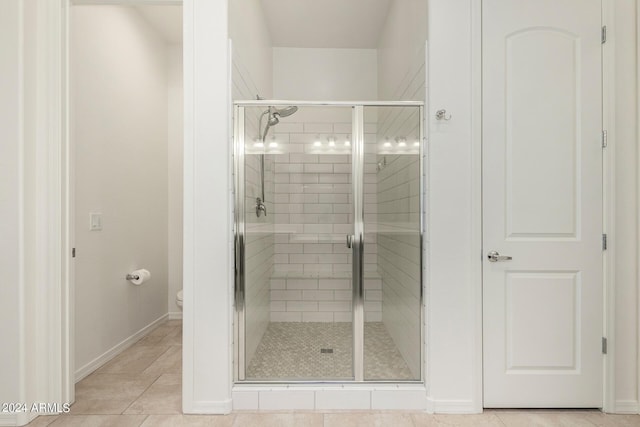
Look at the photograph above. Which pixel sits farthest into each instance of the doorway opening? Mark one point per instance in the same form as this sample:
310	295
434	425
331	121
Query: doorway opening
125	138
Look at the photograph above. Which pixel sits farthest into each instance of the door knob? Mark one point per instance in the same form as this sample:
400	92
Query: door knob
494	256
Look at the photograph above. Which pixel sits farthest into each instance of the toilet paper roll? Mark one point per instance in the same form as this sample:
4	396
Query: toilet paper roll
138	277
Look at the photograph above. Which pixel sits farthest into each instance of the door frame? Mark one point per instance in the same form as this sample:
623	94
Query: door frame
61	147
609	205
608	177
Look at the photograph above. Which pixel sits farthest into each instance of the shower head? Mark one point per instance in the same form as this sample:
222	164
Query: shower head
274	117
276	113
286	111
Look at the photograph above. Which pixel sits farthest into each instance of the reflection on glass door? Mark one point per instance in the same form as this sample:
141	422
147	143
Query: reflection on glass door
327	243
392	253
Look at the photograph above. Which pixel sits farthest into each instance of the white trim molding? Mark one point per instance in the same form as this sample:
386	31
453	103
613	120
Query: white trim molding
212	407
637	144
87	369
51	252
452	406
8	420
609	203
128	2
476	289
626	407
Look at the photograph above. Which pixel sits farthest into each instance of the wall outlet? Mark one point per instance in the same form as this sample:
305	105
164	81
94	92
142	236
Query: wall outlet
95	221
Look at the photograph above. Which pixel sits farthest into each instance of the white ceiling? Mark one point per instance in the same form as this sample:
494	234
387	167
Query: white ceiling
167	20
325	23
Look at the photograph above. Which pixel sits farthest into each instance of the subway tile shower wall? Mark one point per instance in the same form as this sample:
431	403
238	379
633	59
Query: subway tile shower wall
313	214
398	214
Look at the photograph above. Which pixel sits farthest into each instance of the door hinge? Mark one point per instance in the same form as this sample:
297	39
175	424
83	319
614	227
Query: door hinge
605	140
604	345
604	242
73	252
604	34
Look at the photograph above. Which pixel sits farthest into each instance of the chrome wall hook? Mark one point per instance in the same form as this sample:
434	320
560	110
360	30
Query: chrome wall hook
442	115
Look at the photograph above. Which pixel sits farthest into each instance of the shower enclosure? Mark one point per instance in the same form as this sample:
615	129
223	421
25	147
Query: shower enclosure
328	241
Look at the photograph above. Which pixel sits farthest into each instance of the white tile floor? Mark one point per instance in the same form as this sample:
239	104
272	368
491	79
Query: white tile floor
142	387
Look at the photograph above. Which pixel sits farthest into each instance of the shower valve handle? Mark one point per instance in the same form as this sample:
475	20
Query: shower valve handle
260	207
349	240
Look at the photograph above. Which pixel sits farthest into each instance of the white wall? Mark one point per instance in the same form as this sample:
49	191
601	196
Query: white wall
325	74
175	159
119	132
251	50
401	55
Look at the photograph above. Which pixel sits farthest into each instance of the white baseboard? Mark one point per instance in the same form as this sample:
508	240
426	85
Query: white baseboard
627	407
214	407
18	419
452	407
8	420
117	349
175	315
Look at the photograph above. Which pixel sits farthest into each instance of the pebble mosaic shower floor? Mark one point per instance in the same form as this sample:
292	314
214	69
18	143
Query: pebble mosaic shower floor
323	351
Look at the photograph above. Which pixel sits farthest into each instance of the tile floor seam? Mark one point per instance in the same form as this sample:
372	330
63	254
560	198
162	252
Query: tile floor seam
144	420
140	395
502	422
169	348
156	359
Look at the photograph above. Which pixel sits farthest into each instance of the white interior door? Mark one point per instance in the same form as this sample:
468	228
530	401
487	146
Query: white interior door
542	203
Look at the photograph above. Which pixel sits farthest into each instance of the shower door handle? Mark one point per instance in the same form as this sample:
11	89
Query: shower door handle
349	240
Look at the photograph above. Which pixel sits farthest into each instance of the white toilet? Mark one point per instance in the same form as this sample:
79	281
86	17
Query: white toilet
179	299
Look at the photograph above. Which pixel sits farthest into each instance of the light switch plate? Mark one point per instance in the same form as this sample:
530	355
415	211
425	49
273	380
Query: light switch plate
95	221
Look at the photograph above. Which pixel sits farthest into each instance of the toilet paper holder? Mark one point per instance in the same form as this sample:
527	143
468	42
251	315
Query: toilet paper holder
138	277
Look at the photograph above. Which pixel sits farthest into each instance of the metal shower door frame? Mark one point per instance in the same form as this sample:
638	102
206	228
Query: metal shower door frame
358	160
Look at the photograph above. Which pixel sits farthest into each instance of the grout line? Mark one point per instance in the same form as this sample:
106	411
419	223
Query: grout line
143	420
140	395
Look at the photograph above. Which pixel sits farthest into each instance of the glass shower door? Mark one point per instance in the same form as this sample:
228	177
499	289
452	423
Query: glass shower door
296	281
392	260
328	242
